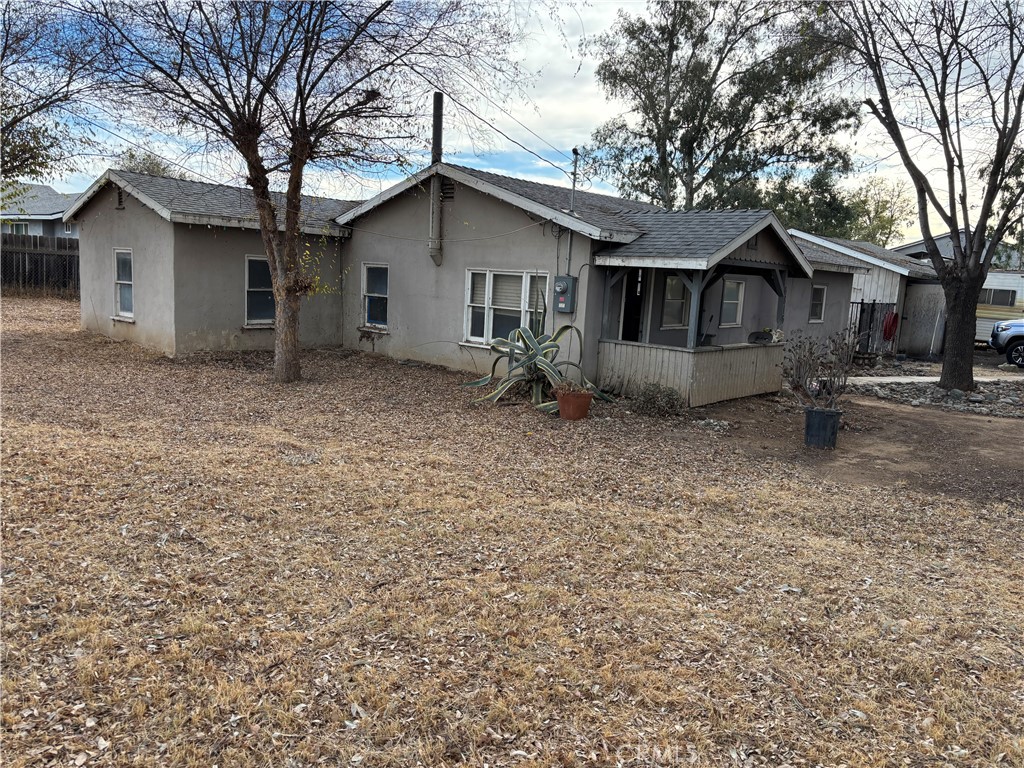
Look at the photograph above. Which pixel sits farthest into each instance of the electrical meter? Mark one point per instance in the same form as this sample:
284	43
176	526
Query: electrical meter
565	293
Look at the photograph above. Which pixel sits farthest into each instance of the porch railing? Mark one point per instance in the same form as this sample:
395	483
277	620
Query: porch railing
704	375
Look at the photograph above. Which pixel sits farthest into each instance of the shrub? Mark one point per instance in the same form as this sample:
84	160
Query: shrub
657	400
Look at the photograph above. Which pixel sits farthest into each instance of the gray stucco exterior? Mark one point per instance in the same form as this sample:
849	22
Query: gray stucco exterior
427	304
188	281
838	286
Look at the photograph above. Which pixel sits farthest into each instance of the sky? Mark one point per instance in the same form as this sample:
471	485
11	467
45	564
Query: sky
567	104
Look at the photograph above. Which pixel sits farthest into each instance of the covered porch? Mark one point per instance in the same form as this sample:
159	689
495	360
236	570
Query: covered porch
702	323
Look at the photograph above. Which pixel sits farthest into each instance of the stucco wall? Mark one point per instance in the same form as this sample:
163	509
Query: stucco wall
923	321
209	280
837	304
759	310
427	303
104	227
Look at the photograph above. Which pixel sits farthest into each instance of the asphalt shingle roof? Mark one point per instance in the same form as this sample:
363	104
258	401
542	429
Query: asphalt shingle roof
197	198
39	200
825	257
916	268
602	211
686	234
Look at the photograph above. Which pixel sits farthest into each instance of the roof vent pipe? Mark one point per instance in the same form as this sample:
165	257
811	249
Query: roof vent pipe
434	245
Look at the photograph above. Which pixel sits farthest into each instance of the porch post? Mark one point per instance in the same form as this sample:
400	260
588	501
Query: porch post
780	307
696	288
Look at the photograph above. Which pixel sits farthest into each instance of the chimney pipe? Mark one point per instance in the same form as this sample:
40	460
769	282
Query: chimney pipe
434	243
435	145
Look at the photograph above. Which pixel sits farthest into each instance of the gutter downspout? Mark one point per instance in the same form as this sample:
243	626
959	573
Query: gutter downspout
434	243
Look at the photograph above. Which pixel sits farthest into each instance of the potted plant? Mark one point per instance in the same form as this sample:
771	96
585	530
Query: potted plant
532	363
817	374
573	399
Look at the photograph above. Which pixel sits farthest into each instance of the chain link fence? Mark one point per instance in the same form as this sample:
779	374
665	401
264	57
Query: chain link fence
39	266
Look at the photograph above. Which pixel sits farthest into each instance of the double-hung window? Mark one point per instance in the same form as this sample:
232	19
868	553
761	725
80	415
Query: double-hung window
499	302
732	303
259	292
375	295
817	312
124	286
675	307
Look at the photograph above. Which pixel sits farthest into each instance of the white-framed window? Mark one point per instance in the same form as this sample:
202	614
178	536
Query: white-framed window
19	227
124	283
498	302
375	295
817	310
675	306
259	291
732	303
67	227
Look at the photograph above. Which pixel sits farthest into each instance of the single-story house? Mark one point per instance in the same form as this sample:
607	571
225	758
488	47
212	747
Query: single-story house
38	209
687	299
179	266
671	297
893	282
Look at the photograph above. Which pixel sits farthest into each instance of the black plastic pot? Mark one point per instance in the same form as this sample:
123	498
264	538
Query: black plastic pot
821	427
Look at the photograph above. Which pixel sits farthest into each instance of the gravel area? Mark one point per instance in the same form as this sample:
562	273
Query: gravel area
203	568
990	398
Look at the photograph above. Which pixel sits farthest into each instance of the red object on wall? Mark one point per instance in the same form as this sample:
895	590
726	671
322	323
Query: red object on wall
889	325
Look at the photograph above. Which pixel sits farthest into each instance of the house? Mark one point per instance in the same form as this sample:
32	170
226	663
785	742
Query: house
179	266
826	295
38	210
893	283
672	297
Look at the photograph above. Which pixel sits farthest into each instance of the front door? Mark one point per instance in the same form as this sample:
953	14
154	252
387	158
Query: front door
633	306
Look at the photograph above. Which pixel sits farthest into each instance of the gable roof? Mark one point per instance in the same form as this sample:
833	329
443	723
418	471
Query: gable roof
695	239
600	217
871	254
827	259
196	202
38	201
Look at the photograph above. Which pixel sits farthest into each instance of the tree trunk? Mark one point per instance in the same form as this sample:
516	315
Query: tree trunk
958	354
287	367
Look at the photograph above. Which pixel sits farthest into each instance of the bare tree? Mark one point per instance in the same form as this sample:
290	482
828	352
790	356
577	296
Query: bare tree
946	82
48	63
288	85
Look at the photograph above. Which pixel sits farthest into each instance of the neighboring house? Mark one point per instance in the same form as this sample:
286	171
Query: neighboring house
38	210
180	266
668	297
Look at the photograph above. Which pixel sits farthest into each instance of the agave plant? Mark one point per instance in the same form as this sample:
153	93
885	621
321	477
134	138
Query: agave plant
532	361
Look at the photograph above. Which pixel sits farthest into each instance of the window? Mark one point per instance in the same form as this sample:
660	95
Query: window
732	303
998	297
124	287
675	307
67	227
499	302
259	292
817	313
19	227
375	295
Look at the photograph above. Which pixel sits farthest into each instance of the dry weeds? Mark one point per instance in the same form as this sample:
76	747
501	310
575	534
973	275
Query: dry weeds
203	568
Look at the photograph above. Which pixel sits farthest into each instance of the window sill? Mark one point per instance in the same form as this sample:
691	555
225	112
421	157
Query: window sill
674	328
474	345
120	319
815	321
380	331
731	325
258	327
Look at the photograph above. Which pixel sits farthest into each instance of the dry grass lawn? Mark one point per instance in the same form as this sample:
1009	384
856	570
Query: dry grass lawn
203	568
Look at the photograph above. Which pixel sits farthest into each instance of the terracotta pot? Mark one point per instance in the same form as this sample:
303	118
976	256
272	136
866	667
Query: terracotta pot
573	406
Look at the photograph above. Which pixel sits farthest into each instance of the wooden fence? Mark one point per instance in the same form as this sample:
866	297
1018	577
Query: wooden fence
33	264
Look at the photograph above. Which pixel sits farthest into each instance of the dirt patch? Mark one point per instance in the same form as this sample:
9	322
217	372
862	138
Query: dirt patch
885	444
201	567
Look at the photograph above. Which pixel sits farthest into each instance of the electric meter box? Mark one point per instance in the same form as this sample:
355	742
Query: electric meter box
565	293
